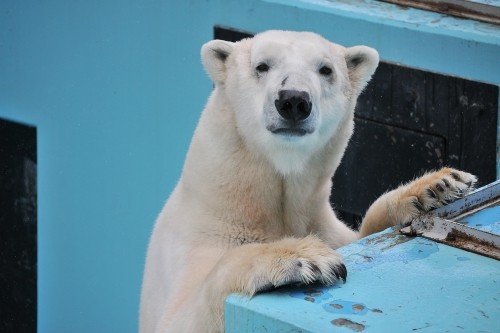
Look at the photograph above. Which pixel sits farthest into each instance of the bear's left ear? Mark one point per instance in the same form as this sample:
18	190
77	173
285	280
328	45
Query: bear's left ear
361	64
213	56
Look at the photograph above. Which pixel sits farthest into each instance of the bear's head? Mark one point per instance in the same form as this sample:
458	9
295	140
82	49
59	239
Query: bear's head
291	92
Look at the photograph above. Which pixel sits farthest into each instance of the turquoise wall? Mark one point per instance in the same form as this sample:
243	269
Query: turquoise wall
115	89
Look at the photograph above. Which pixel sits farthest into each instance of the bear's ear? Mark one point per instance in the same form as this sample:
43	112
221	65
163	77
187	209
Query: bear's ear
213	56
361	64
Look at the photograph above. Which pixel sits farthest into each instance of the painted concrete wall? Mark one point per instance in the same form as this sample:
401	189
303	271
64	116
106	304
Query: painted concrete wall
115	89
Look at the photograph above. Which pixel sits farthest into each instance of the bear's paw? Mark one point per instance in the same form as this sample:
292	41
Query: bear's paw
439	188
300	262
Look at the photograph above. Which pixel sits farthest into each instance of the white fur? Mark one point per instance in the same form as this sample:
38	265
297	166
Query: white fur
251	209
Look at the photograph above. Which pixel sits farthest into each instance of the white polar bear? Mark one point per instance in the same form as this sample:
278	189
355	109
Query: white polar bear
251	210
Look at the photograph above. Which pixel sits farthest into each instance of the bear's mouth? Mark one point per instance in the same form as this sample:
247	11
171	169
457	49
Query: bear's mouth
289	131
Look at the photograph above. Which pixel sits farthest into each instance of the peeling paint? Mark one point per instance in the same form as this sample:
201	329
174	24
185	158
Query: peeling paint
383	249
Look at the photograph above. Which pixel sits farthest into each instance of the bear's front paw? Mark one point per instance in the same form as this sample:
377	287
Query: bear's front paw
439	188
407	202
433	190
303	261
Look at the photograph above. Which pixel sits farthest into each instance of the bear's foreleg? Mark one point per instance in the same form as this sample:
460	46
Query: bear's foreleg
402	205
251	268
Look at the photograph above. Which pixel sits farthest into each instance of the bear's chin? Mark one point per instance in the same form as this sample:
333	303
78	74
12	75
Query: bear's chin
290	150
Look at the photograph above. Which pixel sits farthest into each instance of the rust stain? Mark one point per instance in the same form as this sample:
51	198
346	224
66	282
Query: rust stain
343	322
470	243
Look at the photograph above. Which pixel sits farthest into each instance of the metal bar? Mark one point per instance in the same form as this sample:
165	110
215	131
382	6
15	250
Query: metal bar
456	235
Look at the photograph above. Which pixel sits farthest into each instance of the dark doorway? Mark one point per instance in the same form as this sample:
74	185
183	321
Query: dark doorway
18	221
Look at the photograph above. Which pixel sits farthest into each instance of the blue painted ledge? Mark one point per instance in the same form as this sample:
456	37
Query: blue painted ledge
395	284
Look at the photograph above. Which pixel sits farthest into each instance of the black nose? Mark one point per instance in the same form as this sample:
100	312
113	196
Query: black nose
293	105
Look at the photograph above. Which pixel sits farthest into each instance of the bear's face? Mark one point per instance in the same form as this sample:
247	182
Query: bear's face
294	77
289	91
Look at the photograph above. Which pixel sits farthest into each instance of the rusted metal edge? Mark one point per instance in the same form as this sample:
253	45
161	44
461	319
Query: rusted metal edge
459	8
473	200
456	235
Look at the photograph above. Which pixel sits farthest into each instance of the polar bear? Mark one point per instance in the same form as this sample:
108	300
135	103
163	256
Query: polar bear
251	210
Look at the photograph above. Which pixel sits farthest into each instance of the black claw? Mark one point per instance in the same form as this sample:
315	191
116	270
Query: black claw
439	188
340	272
446	182
455	175
418	205
431	193
315	268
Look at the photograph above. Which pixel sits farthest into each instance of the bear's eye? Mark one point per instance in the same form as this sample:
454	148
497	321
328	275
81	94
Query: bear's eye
261	68
325	70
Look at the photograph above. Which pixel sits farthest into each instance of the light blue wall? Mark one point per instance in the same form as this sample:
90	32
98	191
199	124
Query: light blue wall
115	89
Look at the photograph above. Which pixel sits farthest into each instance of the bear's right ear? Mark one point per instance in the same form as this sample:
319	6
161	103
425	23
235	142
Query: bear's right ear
362	61
213	56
